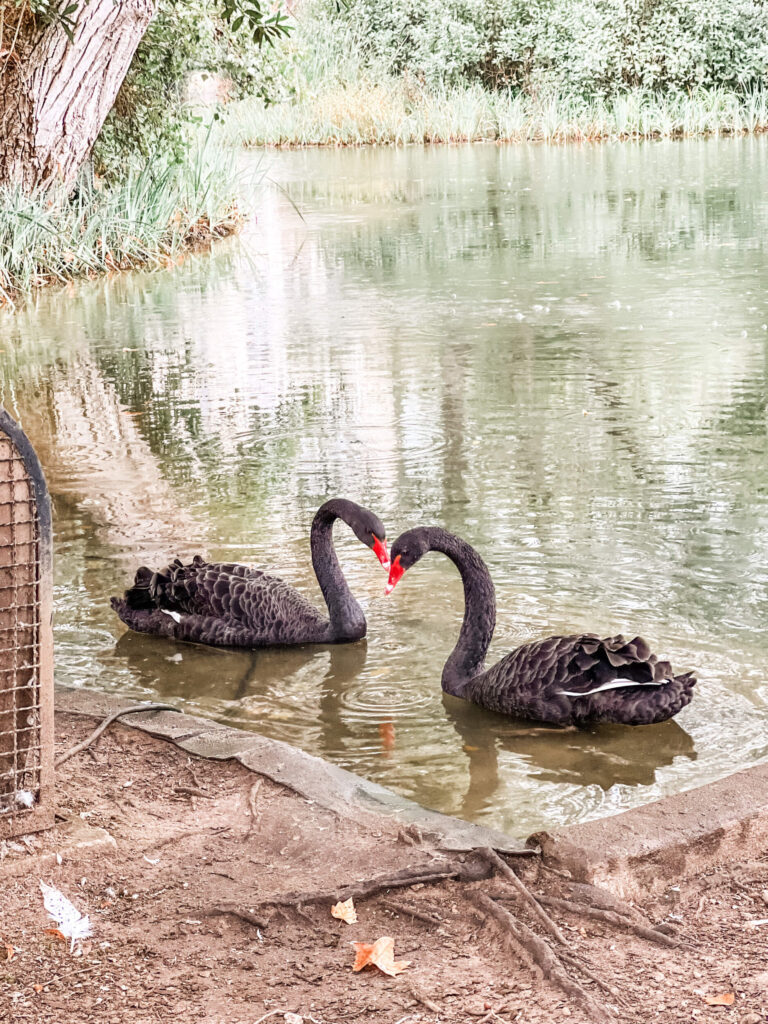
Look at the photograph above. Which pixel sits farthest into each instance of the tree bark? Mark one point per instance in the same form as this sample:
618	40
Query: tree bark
55	92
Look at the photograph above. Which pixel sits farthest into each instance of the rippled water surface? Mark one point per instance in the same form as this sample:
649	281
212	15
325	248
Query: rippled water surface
559	353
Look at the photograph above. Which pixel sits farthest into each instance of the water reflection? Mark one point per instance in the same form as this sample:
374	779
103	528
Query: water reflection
603	756
560	353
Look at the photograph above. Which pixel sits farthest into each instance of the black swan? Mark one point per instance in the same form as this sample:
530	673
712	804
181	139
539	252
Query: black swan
565	680
230	605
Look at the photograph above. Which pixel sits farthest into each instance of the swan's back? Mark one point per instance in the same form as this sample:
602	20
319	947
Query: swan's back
575	680
220	603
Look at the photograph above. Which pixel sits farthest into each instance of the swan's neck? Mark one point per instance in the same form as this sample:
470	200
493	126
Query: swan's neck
346	615
468	656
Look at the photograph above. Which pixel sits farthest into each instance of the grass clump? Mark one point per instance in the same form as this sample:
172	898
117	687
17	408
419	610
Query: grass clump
149	218
397	112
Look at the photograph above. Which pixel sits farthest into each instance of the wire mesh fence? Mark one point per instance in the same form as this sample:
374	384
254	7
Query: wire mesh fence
26	654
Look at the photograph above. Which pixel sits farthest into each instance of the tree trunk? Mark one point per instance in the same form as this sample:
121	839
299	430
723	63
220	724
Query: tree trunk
56	93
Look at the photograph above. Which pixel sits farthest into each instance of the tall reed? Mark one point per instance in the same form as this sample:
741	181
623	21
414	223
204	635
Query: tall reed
149	218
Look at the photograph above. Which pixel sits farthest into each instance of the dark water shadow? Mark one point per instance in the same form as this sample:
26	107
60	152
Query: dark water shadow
604	755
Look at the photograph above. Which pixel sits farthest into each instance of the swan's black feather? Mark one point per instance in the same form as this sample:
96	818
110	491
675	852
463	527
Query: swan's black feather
529	682
221	603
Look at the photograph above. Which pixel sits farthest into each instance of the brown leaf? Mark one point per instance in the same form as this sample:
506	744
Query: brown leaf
10	952
724	999
381	954
345	911
38	988
56	934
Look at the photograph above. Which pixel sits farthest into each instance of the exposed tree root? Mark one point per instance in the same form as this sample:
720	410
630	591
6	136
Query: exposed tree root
506	872
253	792
84	744
610	917
244	915
576	962
519	937
365	888
422	998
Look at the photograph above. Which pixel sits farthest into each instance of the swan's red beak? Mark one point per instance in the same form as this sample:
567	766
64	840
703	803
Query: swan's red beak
396	571
380	550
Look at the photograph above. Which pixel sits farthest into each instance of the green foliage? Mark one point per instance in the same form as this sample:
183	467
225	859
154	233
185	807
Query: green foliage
224	37
587	47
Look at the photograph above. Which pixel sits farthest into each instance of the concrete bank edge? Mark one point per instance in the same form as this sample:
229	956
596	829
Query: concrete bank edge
646	849
319	781
633	854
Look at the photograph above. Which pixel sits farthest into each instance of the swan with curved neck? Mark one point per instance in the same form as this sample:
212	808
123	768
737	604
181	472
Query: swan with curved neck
564	680
230	605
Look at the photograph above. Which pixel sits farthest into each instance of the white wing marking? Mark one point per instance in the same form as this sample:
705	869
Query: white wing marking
174	615
614	684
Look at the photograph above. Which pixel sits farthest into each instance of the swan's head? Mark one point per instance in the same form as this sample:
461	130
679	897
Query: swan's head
369	529
406	551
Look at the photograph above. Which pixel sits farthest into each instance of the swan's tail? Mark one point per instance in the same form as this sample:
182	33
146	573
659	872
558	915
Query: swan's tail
618	680
139	596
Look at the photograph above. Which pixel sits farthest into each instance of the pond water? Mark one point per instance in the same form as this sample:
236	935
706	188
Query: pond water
559	353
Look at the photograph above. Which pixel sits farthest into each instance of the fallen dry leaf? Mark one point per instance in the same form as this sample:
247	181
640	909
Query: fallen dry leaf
724	999
56	934
345	911
381	954
10	952
38	988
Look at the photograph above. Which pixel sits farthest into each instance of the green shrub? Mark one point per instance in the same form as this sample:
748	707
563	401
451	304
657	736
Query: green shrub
150	116
589	47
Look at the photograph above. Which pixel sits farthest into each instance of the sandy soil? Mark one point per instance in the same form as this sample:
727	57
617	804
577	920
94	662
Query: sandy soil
160	950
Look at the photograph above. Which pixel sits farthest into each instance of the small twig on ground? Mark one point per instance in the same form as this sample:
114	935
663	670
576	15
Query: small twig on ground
244	915
84	744
506	871
408	911
420	997
192	791
195	780
270	1014
185	835
555	871
252	794
518	935
610	917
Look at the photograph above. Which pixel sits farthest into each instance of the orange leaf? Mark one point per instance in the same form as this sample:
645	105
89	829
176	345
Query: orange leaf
56	933
10	952
38	988
381	954
724	999
345	911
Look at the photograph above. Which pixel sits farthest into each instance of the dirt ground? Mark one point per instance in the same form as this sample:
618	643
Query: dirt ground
187	844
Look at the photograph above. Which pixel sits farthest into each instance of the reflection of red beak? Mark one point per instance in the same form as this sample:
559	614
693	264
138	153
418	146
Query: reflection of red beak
380	550
395	575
